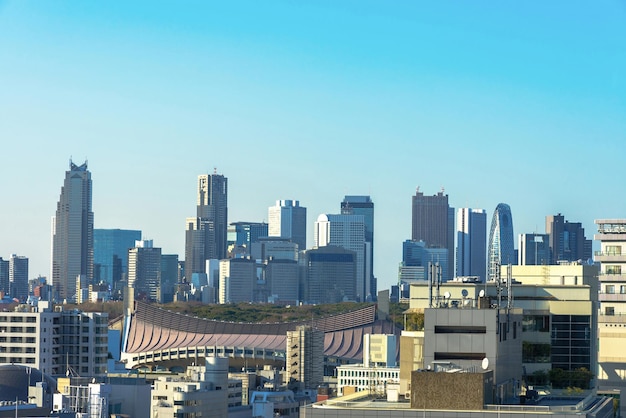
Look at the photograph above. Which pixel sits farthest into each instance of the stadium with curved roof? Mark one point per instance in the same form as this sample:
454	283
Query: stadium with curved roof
155	336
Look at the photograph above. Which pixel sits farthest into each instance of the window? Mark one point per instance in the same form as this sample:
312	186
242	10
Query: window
613	269
609	310
613	250
610	289
622	289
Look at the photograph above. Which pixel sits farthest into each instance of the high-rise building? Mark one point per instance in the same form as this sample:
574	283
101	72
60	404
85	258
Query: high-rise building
283	281
4	277
305	354
58	342
347	231
501	250
169	276
72	232
237	280
328	275
110	254
287	219
416	257
533	250
18	277
144	270
567	240
471	246
433	223
363	205
206	235
247	233
612	317
274	248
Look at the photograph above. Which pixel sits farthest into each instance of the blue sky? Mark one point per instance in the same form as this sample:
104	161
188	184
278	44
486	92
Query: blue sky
515	102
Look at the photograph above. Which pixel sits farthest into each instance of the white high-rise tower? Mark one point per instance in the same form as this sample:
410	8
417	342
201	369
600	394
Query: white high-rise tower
287	219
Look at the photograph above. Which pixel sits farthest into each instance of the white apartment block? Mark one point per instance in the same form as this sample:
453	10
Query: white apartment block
612	314
55	341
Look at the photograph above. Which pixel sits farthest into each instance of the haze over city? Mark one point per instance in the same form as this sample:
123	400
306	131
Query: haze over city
515	103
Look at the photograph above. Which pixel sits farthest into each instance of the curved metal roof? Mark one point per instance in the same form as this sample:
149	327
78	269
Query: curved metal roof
154	329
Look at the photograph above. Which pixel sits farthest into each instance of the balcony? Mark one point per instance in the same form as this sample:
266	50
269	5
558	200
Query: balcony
609	257
611	319
607	278
609	236
612	297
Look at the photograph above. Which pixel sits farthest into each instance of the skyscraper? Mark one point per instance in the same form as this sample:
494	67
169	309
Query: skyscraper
4	276
287	219
363	205
110	254
567	240
72	232
329	275
347	231
501	249
533	250
433	223
247	233
144	270
471	247
206	236
18	277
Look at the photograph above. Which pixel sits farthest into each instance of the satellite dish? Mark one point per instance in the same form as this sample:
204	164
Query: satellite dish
447	295
485	364
481	294
464	293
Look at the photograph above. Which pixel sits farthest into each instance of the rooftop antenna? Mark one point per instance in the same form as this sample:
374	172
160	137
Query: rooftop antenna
214	170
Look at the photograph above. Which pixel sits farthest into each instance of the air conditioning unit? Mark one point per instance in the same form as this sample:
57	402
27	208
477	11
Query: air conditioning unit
407	395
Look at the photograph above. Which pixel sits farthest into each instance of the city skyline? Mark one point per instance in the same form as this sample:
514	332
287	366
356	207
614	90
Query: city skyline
521	104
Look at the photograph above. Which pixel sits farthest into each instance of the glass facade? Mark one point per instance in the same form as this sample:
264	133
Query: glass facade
571	341
501	249
110	254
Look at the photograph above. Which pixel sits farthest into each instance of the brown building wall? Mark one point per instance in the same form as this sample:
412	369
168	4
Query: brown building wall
450	391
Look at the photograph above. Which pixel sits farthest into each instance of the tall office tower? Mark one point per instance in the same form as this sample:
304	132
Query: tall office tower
144	270
238	278
287	219
567	240
612	312
169	276
282	279
247	233
305	358
347	231
415	259
328	275
471	243
533	250
72	232
206	236
110	254
4	277
274	248
433	223
501	250
363	205
18	277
